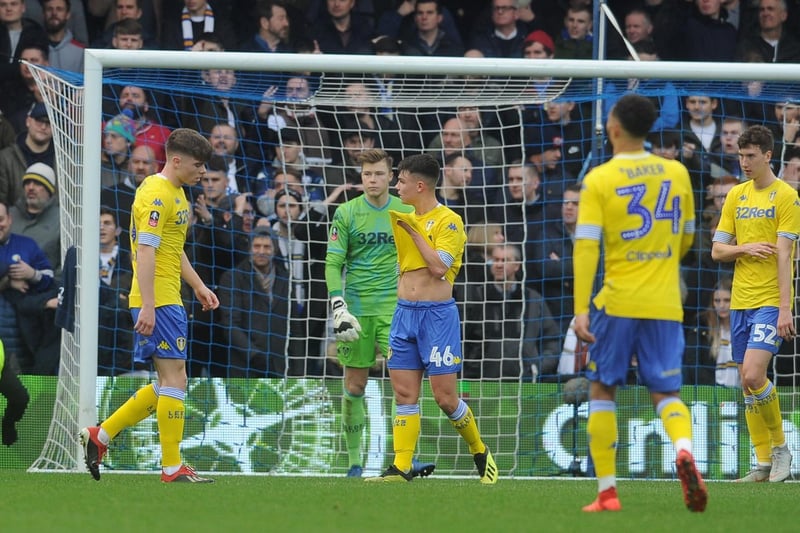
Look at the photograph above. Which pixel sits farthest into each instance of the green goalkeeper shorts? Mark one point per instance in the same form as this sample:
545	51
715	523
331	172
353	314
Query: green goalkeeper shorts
374	337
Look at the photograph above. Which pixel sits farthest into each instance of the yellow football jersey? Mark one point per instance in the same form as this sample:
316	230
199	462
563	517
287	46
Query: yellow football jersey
160	218
444	230
641	207
753	215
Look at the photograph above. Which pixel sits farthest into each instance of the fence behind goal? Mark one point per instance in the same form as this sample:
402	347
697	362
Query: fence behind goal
265	386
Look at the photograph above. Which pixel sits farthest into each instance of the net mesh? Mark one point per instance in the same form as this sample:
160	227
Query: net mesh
281	132
64	101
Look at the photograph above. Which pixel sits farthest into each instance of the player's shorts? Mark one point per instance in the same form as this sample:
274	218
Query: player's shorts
755	329
168	340
426	336
657	344
361	353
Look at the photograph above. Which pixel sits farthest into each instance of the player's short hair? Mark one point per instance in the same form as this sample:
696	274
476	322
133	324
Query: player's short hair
437	2
287	171
580	8
451	158
211	37
375	155
479	237
791	153
664	139
515	252
640	11
424	166
67	2
264	8
185	141
734	118
725	179
636	114
105	210
128	26
646	46
35	43
261	232
217	163
757	135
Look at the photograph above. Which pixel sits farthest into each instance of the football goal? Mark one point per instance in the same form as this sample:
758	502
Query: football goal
514	138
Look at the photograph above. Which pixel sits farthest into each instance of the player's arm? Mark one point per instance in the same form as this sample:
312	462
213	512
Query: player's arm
337	250
785	246
334	263
205	295
586	255
724	251
345	326
433	261
146	276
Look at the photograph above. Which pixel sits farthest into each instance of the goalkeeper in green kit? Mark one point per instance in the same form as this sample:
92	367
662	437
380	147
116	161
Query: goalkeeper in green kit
360	242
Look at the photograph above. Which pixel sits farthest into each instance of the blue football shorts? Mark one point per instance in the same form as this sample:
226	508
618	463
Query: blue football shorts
168	340
754	329
657	344
425	336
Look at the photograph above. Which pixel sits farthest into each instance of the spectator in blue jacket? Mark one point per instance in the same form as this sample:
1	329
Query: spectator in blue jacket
25	275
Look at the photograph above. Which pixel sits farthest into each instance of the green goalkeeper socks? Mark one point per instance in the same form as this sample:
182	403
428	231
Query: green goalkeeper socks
353	425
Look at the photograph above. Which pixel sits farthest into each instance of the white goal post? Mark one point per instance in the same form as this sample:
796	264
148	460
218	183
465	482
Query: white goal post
517	75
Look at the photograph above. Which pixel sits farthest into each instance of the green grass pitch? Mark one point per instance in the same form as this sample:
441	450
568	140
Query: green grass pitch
137	503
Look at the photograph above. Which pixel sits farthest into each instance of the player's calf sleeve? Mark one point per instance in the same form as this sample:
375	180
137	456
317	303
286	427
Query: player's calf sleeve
138	407
769	406
405	432
353	425
463	421
759	434
677	422
170	413
602	431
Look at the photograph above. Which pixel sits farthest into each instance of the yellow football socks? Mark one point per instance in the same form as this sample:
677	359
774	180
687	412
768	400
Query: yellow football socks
405	431
170	414
768	405
602	431
759	434
138	407
463	421
677	421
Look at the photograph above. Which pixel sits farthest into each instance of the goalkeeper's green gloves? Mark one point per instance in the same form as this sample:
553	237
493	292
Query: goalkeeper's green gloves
345	325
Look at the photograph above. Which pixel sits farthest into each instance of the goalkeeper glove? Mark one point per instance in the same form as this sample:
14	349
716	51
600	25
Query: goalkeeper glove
345	325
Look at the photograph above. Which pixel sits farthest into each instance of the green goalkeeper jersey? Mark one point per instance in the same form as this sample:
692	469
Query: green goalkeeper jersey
361	243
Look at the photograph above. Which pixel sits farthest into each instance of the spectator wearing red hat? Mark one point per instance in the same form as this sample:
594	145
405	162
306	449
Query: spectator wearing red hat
538	45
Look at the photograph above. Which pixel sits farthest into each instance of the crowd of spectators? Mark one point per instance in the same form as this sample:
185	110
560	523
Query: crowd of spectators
281	166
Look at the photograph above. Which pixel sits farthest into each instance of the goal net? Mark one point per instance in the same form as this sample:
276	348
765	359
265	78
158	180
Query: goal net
514	137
